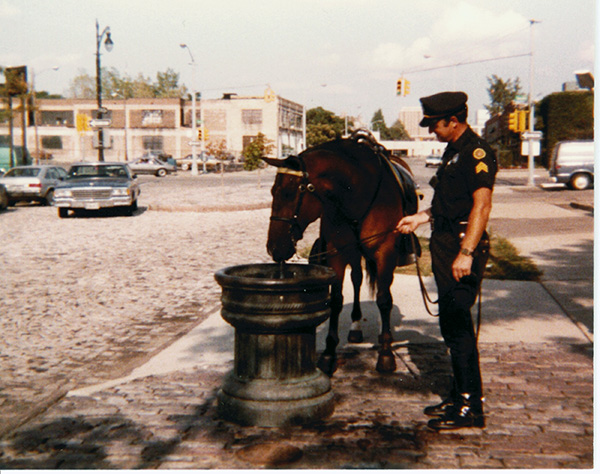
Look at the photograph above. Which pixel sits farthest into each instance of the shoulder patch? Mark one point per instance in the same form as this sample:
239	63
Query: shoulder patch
481	168
479	153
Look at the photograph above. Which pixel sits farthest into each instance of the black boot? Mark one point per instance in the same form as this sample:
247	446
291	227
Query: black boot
467	413
441	408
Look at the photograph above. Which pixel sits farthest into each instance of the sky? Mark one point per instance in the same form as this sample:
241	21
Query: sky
343	55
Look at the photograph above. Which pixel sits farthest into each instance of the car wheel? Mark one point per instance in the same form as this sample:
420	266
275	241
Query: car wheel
131	209
63	212
580	181
161	173
49	199
185	166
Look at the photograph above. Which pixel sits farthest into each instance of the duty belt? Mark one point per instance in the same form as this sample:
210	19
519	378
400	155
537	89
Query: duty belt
442	224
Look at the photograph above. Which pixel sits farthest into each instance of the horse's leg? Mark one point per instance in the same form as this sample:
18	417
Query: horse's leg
328	360
386	362
355	335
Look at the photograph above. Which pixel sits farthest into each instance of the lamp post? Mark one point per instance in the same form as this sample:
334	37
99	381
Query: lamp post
194	124
108	44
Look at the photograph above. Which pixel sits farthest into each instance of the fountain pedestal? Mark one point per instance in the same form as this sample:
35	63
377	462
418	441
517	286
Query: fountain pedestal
275	311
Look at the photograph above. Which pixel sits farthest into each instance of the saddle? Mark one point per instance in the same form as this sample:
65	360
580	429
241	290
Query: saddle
399	169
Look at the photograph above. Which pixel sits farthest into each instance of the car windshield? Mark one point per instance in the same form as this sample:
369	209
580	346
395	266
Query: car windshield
98	171
22	173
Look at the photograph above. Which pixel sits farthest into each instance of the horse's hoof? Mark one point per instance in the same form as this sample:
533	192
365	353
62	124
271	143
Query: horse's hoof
355	336
386	363
328	364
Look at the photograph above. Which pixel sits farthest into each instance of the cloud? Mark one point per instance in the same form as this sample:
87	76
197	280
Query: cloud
587	52
463	32
8	10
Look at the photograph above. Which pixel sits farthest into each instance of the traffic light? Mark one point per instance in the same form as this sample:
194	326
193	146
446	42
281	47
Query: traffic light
402	87
522	120
513	121
202	133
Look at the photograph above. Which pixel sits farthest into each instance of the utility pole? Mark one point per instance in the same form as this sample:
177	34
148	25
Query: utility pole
530	139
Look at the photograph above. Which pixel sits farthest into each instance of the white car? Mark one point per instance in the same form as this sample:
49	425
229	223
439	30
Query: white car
32	183
433	160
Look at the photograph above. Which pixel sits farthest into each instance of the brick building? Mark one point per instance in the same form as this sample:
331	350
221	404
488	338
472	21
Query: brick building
60	127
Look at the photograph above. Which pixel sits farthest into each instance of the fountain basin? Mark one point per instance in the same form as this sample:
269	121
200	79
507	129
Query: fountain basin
275	311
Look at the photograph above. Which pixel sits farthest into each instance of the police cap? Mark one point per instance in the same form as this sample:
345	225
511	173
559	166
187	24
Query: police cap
442	105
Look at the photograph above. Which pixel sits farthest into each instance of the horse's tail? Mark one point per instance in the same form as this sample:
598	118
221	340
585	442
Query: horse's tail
371	268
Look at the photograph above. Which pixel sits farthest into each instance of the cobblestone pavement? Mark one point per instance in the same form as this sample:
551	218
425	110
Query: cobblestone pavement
85	300
538	401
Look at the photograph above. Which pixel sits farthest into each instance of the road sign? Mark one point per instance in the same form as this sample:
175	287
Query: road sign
99	123
535	135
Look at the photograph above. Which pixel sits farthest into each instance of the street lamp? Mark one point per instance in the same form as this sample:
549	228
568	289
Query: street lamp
108	44
194	127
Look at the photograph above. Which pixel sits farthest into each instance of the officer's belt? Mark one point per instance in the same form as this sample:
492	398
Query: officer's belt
442	224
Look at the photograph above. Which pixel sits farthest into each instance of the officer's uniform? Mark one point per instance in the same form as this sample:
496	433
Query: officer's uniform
467	165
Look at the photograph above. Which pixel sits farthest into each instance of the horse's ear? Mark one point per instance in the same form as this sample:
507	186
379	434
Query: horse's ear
290	162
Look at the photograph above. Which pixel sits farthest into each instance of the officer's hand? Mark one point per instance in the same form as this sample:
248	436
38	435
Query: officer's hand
409	224
461	267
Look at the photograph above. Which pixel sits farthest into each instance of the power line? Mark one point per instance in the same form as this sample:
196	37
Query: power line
468	62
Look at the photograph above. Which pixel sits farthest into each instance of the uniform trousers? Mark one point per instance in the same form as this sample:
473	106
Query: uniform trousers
455	302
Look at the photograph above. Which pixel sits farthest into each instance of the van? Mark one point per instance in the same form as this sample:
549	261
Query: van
573	164
19	159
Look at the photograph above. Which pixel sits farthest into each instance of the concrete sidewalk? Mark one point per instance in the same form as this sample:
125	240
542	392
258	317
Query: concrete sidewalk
538	378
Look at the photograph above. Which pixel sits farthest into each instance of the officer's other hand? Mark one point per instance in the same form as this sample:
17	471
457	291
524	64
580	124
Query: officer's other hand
462	266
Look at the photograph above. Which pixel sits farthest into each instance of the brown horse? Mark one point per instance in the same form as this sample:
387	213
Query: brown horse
352	187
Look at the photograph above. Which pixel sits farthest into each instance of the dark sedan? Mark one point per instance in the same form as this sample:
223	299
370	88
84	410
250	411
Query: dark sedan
94	186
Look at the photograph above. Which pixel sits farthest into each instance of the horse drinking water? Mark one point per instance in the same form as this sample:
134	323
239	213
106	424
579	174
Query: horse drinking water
360	196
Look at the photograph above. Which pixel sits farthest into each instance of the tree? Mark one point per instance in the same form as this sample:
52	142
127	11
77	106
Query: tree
398	132
395	132
218	149
323	126
501	93
254	152
83	86
167	84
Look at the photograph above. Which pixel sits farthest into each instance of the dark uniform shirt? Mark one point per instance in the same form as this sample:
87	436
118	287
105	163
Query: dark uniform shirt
467	165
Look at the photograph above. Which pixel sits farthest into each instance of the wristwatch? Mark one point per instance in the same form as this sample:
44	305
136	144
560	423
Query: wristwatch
467	252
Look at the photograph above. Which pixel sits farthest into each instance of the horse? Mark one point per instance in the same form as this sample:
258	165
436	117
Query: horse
360	195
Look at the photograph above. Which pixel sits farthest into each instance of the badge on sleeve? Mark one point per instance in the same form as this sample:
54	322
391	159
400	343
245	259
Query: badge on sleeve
479	153
481	168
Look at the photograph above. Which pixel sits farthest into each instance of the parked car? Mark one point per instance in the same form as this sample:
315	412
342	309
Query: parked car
3	198
211	162
433	160
572	163
94	186
152	165
32	183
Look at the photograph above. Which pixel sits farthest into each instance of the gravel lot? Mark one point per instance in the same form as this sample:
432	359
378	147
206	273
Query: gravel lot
86	299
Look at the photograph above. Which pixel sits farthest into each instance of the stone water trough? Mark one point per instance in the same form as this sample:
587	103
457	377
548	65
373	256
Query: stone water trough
275	310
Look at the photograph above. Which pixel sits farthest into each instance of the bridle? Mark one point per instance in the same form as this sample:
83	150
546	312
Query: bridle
304	186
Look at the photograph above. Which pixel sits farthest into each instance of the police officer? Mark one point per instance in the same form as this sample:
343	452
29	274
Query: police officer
459	247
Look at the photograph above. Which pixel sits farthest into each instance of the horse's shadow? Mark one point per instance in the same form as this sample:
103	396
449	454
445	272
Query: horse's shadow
418	347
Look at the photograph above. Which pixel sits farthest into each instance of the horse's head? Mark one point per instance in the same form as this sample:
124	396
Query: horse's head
295	206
